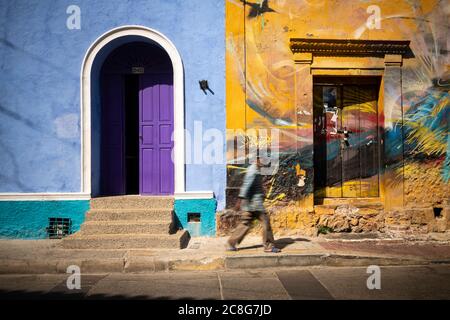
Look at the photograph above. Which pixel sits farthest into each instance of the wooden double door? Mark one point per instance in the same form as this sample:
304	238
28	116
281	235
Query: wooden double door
346	137
137	122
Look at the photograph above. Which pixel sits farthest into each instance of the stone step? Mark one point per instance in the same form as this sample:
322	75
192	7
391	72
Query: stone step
178	240
132	202
157	214
126	227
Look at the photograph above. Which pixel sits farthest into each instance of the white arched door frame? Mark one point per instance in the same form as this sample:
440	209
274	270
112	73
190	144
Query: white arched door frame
86	99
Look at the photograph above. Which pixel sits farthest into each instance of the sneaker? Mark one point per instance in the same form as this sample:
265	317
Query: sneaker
272	250
230	247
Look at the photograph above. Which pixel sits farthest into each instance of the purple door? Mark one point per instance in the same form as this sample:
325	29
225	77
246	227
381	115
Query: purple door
156	170
112	169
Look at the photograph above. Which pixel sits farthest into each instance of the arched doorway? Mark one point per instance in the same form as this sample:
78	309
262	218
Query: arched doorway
134	44
136	87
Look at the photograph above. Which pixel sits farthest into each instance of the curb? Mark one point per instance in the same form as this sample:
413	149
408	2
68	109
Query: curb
328	260
155	264
60	266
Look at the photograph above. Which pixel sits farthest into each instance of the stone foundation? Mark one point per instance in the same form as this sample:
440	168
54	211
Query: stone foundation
424	186
345	218
284	220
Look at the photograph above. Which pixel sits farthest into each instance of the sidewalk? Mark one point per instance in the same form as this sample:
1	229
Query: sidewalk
47	256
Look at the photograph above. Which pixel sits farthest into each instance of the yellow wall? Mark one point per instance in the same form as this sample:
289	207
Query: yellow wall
261	82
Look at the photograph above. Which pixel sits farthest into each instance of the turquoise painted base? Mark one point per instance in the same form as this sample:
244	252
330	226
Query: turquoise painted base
29	219
207	210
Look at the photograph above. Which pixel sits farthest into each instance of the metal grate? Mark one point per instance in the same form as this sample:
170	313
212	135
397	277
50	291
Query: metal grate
59	227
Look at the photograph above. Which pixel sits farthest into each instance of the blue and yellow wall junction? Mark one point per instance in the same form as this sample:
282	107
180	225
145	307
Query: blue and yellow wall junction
303	68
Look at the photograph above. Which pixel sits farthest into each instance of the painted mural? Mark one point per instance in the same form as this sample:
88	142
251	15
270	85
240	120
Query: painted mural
260	94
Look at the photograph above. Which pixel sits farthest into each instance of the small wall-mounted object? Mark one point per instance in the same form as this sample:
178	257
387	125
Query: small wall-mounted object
205	86
194	224
193	217
137	70
59	227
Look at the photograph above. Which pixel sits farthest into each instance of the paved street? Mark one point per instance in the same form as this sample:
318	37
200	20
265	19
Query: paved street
424	282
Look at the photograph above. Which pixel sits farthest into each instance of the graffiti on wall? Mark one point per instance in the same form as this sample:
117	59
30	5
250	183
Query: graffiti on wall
261	86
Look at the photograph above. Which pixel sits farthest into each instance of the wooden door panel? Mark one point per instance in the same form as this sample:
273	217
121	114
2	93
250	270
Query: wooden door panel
351	169
156	128
327	155
369	145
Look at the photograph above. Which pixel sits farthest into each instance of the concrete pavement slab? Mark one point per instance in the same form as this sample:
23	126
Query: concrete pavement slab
443	270
302	285
13	286
252	286
158	286
396	283
61	291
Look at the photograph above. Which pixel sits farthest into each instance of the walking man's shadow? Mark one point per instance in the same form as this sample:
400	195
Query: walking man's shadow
280	243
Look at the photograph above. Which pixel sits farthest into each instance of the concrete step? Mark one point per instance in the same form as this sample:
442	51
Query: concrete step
126	227
132	202
157	214
127	241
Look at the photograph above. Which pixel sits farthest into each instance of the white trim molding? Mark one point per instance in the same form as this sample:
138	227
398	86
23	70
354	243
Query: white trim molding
178	88
194	195
13	196
43	196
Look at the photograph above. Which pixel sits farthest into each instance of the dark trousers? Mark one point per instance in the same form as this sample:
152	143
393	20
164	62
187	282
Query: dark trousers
244	226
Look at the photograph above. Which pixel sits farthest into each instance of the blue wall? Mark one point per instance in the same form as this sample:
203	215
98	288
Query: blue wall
40	62
207	210
29	219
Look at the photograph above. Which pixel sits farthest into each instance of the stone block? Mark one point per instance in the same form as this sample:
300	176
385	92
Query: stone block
446	213
440	225
420	215
324	210
368	212
397	227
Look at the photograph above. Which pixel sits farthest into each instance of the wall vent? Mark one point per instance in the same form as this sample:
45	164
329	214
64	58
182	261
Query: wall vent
437	212
193	217
59	227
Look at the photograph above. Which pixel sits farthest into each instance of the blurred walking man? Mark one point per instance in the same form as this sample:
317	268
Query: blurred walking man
251	197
